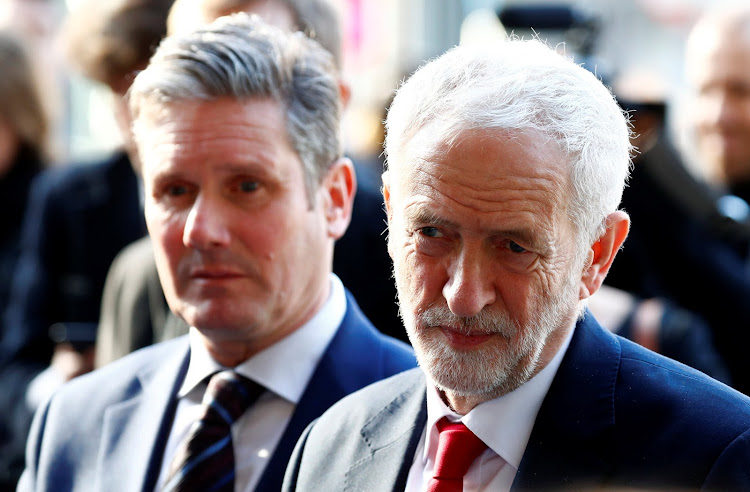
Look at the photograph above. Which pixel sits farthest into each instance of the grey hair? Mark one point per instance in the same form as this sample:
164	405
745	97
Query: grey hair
239	56
523	85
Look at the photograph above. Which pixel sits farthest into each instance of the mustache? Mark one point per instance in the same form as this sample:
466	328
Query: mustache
197	260
483	322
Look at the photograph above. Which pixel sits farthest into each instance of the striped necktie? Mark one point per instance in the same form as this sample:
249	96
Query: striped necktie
205	460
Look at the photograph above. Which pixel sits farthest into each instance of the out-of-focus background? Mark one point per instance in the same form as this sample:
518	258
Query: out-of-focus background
70	198
384	41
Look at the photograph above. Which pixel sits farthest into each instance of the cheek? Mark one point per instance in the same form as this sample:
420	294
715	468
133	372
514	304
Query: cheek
421	278
287	234
523	294
258	236
516	296
273	230
699	116
166	232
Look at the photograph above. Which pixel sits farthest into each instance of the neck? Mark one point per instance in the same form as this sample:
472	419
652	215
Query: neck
461	404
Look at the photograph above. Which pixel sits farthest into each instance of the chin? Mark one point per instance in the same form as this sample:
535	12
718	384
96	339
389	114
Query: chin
489	371
213	318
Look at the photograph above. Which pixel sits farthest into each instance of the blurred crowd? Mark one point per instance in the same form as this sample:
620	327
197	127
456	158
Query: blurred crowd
78	283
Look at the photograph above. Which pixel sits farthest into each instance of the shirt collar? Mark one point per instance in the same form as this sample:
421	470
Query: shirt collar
286	366
505	423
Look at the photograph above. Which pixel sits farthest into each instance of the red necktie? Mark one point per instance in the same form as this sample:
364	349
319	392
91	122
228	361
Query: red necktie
458	447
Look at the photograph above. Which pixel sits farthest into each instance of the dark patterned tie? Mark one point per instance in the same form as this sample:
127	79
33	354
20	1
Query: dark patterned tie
205	460
458	447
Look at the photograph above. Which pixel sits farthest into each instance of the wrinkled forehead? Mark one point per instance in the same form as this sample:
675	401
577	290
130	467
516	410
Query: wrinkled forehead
482	170
527	150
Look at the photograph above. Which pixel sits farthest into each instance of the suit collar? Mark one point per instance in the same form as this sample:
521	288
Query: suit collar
135	430
355	336
575	425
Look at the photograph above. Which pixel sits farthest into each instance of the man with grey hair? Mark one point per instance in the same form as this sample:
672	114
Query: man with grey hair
506	166
134	312
237	127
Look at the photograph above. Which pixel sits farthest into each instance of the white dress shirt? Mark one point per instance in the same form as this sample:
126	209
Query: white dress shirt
284	369
504	424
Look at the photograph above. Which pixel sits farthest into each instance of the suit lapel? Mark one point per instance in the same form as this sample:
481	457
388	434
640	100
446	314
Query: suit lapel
135	431
391	439
573	432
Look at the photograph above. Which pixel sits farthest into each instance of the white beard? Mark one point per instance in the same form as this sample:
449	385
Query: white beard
503	363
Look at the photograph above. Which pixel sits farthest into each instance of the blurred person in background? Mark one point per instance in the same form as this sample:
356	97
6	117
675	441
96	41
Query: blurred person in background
717	55
134	312
699	257
37	25
647	305
78	218
24	131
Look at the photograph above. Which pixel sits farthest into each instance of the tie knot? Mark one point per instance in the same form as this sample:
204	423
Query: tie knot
228	395
205	459
458	447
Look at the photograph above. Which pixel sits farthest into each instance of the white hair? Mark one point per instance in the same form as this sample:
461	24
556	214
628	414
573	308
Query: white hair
523	85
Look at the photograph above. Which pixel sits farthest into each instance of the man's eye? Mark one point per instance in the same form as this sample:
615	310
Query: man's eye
248	186
515	247
177	190
430	232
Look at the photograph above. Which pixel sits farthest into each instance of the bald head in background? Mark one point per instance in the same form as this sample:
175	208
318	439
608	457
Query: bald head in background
717	60
316	18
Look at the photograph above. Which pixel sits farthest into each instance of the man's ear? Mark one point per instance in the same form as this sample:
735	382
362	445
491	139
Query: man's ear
340	186
388	210
603	253
345	91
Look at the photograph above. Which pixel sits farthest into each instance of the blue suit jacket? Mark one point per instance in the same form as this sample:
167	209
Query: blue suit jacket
106	431
616	415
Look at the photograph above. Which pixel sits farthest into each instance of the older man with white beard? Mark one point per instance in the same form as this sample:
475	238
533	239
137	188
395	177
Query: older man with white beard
506	166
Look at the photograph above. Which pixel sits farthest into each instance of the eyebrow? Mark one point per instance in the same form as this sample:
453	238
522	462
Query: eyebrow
422	215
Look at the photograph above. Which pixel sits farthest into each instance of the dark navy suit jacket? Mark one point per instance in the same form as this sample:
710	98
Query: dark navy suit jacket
106	431
616	416
79	217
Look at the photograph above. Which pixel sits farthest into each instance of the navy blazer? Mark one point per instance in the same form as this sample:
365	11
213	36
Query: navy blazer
79	217
616	415
106	431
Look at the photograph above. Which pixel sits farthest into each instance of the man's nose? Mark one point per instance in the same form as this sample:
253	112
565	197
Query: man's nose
470	287
205	227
